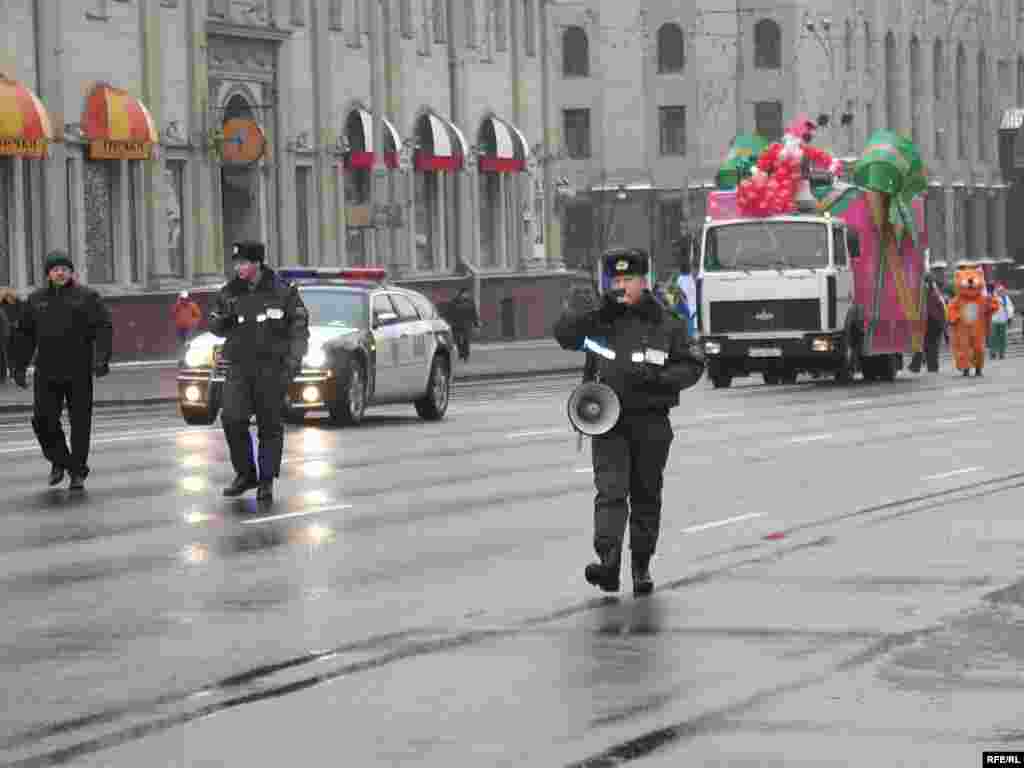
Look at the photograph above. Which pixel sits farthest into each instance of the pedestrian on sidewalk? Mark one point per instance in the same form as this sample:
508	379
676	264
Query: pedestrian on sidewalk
266	325
186	316
1001	319
68	329
650	360
10	308
463	318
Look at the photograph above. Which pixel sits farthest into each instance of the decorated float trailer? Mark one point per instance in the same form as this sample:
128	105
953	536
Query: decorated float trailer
825	277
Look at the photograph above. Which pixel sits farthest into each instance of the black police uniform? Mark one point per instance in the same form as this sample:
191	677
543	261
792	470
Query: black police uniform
69	330
267	329
629	461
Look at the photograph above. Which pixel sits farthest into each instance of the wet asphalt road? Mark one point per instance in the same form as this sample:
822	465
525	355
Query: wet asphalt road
837	585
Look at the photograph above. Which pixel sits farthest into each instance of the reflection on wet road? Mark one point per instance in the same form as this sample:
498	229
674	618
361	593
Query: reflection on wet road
829	573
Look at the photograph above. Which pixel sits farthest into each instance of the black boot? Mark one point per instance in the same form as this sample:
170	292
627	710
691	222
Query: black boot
240	485
265	492
77	482
605	574
56	475
643	584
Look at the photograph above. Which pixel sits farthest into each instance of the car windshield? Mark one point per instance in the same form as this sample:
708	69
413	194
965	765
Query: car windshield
336	307
764	245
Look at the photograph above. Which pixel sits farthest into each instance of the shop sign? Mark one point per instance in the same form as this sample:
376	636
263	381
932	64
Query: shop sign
19	147
109	149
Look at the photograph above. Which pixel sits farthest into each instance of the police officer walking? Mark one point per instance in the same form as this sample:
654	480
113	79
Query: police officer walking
653	362
69	330
267	329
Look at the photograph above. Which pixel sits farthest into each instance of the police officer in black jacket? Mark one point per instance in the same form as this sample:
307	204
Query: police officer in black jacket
653	361
69	330
267	329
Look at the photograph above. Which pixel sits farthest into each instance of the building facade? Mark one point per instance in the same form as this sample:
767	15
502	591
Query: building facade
651	93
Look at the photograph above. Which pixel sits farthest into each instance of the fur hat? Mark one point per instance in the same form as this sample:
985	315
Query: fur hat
626	261
249	250
58	259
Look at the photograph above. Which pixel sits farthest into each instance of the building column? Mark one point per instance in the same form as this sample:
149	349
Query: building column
343	257
326	131
201	229
75	232
550	142
49	22
18	216
152	207
123	241
979	202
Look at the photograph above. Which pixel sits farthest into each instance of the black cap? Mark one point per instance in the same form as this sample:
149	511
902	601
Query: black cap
58	259
626	261
248	250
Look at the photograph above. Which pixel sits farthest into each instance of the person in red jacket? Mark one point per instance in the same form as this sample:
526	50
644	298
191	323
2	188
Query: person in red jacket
186	316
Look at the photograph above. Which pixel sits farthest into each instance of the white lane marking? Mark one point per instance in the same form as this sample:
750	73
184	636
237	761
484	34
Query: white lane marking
124	437
303	513
810	438
848	403
720	523
537	433
719	415
957	420
959	390
584	469
954	473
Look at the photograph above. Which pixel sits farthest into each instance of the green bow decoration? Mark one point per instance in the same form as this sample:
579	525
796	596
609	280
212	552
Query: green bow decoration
740	162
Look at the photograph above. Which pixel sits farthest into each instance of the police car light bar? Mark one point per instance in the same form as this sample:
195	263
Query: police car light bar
372	274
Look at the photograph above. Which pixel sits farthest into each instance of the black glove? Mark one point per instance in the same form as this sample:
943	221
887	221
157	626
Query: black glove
610	309
18	374
101	370
647	374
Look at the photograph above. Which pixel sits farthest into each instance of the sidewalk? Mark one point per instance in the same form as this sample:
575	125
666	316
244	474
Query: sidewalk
153	382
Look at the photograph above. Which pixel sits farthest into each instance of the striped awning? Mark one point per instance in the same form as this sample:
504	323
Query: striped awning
503	148
25	129
359	131
118	126
442	145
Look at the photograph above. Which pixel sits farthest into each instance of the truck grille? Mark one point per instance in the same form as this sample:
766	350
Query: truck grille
768	315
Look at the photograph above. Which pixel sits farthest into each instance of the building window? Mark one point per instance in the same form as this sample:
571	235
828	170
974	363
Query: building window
427	235
767	45
529	27
869	119
768	119
891	84
335	14
354	38
298	12
579	235
672	129
405	22
440	21
849	126
470	18
869	48
490	219
576	128
848	46
357	186
134	243
500	25
217	8
671	52
302	179
175	177
575	53
99	196
983	104
938	70
961	112
670	217
99	10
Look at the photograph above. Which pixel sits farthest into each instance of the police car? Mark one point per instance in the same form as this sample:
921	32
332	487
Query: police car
370	343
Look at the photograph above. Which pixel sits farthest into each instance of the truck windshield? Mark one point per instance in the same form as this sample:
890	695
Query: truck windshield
764	245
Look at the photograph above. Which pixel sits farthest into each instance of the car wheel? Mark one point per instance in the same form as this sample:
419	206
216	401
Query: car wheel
434	404
788	377
721	380
350	406
200	418
771	378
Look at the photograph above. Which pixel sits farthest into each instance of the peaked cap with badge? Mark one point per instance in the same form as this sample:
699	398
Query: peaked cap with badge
249	250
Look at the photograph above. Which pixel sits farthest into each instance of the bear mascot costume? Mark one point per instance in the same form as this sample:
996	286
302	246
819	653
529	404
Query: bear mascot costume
970	318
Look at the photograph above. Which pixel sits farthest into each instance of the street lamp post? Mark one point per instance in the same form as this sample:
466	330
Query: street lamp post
824	40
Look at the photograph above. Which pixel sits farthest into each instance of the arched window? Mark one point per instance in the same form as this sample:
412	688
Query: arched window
767	45
1020	82
984	99
848	46
671	54
961	111
938	71
891	84
869	46
915	89
575	53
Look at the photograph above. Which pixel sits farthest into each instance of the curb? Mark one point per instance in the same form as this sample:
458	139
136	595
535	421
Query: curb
472	378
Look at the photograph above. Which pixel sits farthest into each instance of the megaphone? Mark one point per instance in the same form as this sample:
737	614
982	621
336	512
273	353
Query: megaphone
593	408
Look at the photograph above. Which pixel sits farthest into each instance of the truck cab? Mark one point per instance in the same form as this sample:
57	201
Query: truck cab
776	297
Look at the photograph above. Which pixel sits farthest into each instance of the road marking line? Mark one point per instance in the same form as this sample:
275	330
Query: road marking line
954	473
537	433
286	515
810	438
584	469
848	403
728	415
957	420
127	436
720	523
959	390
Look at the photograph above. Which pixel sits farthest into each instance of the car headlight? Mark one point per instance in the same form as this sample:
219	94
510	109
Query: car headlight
823	344
712	347
197	356
315	358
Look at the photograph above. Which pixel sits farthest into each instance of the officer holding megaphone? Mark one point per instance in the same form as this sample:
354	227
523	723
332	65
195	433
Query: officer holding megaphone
644	354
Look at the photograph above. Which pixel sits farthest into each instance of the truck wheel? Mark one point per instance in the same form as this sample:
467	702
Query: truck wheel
720	380
788	377
888	367
848	365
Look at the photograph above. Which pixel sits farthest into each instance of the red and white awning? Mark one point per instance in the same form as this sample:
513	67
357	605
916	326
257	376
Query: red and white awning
443	147
359	132
503	148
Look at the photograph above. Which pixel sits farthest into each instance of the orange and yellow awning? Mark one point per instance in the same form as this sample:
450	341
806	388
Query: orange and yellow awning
24	125
118	125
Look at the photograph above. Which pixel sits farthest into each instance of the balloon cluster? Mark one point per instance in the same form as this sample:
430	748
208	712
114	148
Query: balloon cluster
776	181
